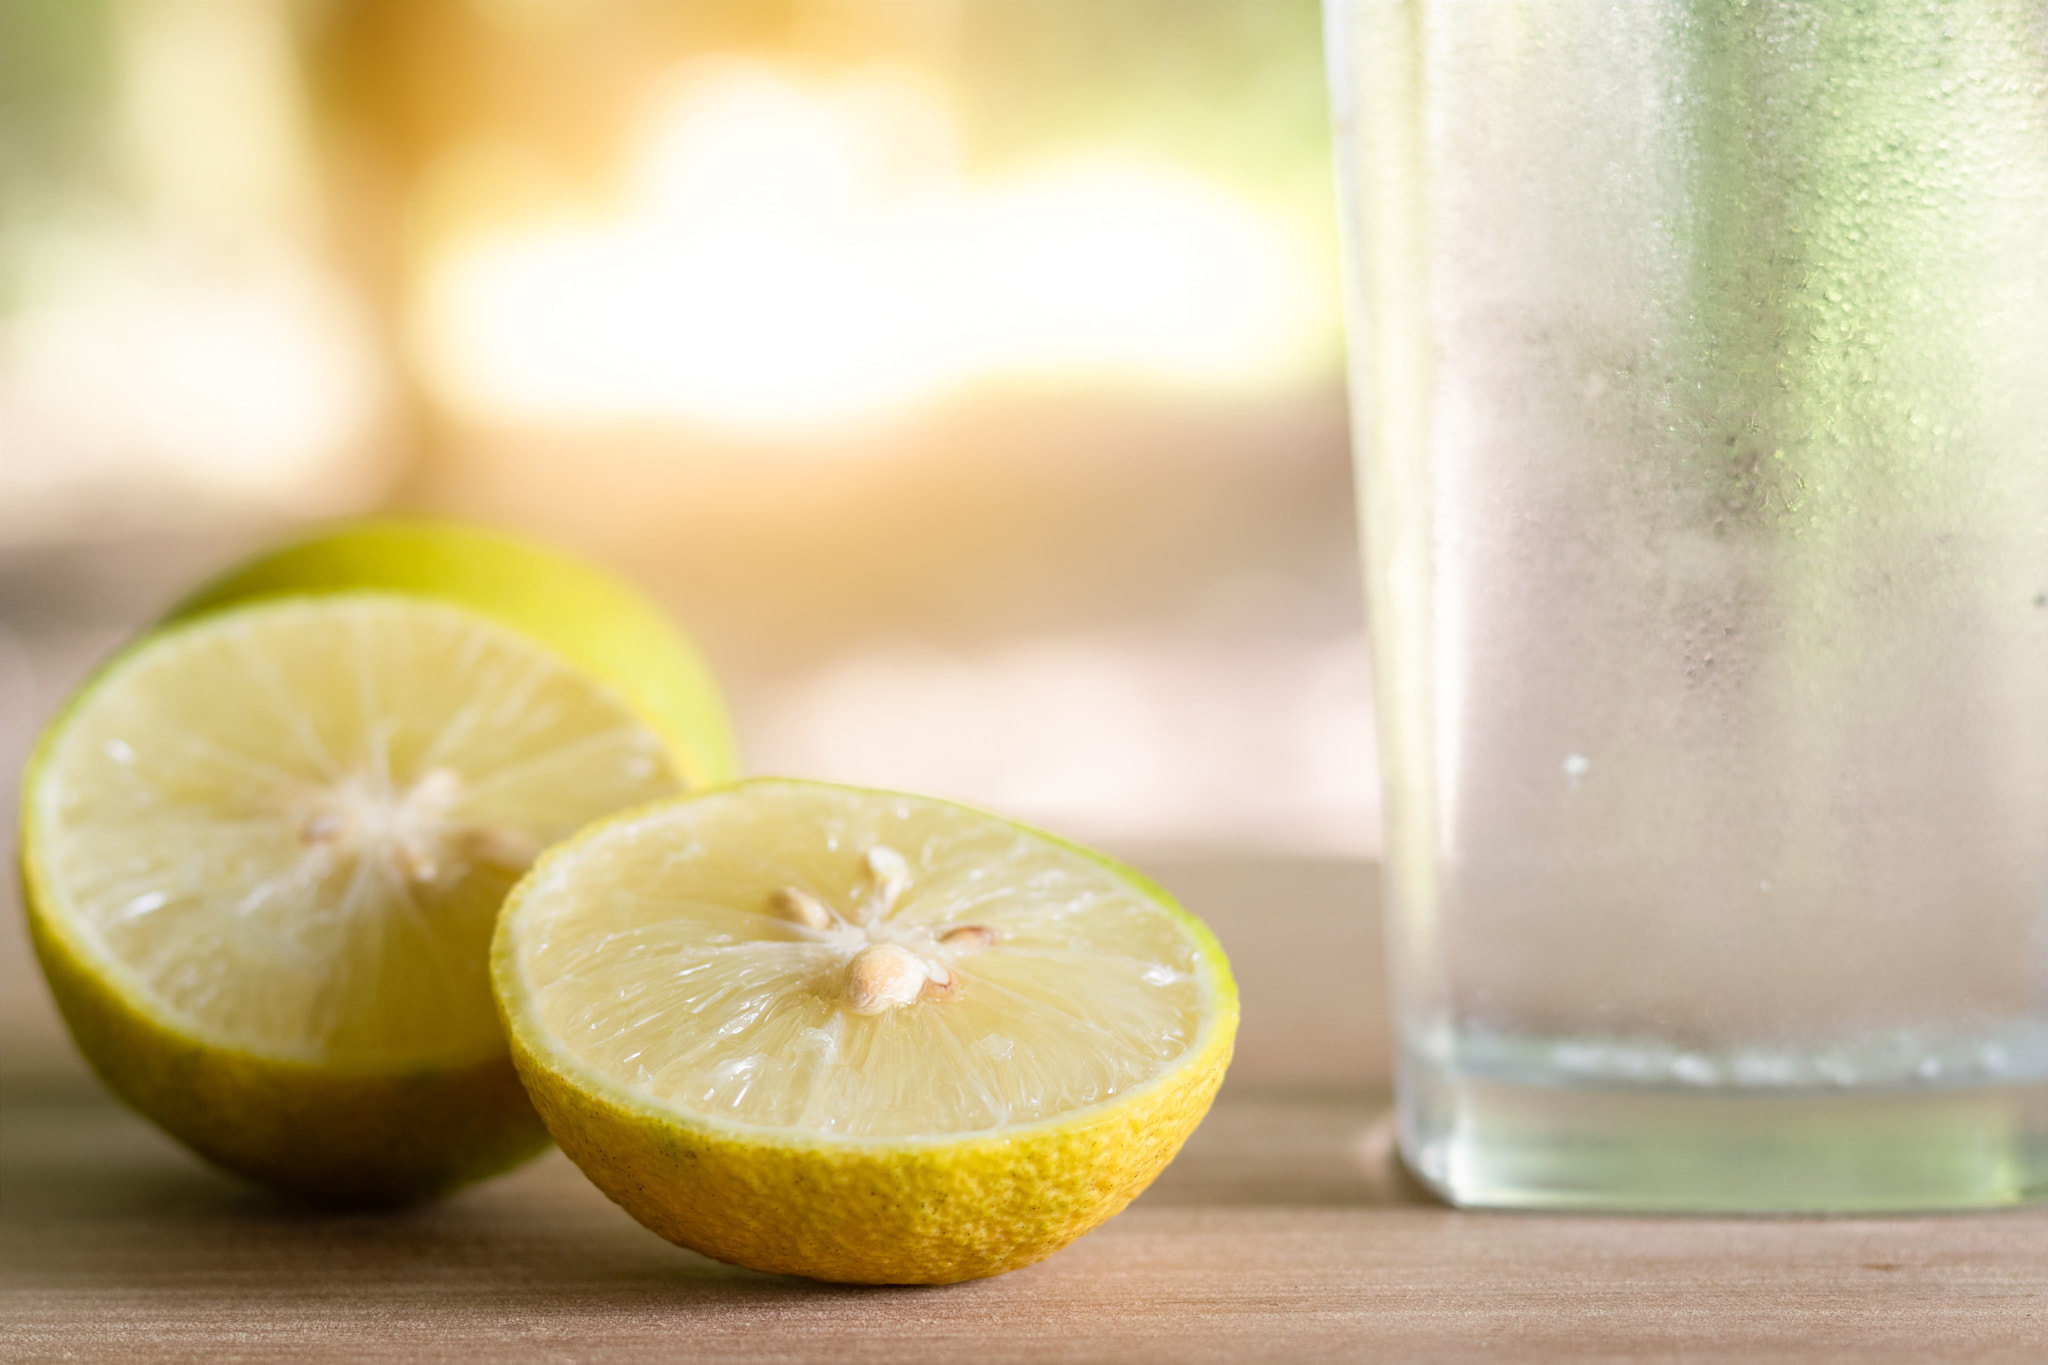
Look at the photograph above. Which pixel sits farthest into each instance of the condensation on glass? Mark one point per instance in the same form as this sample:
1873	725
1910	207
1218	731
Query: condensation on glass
1700	379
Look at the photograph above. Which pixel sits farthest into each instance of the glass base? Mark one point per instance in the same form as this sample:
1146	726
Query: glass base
1481	1141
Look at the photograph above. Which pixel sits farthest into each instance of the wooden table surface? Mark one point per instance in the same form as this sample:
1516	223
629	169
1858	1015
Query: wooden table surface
1285	1231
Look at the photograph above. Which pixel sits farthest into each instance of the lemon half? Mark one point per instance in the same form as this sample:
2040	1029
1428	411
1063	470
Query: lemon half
263	850
857	1035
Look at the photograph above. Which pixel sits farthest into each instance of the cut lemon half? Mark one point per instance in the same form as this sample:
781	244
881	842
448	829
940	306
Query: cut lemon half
264	850
857	1035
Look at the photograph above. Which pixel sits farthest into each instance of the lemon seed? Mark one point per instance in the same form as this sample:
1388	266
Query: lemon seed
882	976
800	907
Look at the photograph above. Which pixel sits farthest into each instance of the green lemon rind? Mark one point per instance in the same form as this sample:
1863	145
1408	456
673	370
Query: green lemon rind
331	1133
364	1136
335	1136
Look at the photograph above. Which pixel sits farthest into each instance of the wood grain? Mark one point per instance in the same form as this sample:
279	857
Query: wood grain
1285	1231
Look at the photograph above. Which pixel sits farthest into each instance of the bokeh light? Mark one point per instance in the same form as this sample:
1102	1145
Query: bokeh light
799	251
179	350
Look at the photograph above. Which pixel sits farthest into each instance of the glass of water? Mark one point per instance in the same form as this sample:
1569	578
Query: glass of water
1700	384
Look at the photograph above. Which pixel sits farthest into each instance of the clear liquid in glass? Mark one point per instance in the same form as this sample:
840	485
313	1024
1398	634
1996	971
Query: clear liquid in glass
1700	376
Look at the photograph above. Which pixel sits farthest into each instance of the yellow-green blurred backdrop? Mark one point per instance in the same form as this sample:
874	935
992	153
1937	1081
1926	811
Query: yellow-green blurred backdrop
964	373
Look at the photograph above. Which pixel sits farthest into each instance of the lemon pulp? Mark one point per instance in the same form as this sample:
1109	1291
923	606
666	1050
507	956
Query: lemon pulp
662	964
598	625
285	830
857	1035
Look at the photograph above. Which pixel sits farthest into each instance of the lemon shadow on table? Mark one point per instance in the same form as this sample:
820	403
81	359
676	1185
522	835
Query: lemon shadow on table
1332	1149
94	1198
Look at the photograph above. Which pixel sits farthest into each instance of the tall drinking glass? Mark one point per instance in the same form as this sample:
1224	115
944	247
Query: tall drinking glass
1700	382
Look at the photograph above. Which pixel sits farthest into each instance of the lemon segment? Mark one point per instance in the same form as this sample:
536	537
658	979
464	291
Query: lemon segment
858	1035
264	851
599	625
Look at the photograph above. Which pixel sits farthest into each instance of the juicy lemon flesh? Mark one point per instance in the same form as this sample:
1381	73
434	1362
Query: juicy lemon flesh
286	830
656	955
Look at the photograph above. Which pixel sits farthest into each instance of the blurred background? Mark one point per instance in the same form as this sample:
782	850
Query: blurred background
965	374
